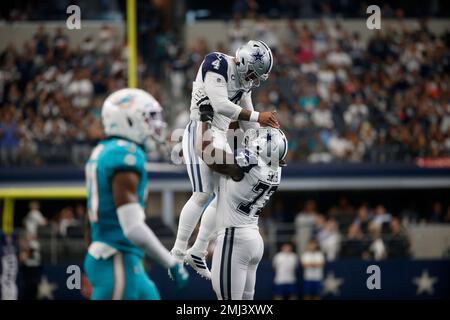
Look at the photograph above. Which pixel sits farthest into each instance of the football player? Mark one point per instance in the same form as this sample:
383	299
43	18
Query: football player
116	182
225	83
246	183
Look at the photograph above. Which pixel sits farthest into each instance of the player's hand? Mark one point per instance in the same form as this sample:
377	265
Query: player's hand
179	274
268	119
206	113
204	105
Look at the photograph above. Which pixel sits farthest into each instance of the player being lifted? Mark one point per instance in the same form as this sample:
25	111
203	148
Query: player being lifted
116	183
246	183
227	81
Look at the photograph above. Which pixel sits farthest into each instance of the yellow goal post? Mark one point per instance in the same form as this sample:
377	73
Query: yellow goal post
9	195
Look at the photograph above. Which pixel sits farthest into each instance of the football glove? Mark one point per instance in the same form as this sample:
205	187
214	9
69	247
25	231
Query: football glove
179	274
204	106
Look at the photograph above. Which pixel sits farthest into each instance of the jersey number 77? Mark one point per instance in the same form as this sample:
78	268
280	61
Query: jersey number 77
263	190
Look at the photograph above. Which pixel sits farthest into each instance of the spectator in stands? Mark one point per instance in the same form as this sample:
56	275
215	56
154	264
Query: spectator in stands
66	219
344	213
305	222
30	266
381	218
34	219
437	213
354	245
398	243
329	238
313	262
9	138
363	219
377	248
353	100
285	264
356	113
264	32
409	215
238	35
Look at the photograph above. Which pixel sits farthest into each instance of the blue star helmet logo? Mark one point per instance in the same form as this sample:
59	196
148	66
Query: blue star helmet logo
257	56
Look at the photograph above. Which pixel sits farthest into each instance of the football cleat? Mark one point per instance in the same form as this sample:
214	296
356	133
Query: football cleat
198	263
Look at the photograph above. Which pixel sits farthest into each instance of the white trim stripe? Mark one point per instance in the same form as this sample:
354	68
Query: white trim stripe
94	194
119	277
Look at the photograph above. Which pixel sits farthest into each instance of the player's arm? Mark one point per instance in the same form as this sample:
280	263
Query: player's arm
229	167
216	90
247	104
132	218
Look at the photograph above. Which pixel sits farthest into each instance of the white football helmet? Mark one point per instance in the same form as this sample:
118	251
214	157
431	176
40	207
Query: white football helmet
254	62
135	115
269	144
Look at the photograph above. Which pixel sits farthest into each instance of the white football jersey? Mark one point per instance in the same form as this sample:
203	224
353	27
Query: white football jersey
239	203
223	65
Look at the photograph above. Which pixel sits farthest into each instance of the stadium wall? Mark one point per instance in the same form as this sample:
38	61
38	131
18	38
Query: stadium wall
216	32
345	279
20	32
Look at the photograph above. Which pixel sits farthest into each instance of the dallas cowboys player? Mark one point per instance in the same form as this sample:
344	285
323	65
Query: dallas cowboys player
225	82
247	182
116	183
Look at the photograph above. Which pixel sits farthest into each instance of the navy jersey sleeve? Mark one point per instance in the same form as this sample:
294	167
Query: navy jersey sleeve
215	62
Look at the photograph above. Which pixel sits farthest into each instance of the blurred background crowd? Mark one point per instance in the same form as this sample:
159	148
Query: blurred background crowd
339	98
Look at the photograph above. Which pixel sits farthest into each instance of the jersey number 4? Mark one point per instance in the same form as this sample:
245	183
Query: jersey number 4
262	190
216	64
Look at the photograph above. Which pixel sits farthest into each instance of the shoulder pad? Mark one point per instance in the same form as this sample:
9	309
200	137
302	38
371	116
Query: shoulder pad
215	62
125	156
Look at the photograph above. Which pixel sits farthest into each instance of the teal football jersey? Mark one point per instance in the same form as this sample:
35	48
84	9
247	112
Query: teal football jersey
107	158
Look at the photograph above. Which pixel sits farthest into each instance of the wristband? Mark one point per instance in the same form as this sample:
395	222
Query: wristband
254	116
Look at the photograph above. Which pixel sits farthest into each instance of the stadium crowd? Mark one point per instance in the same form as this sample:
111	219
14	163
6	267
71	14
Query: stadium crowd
341	99
338	98
363	231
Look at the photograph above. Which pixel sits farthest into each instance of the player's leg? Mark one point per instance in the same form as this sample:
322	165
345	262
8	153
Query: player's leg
215	266
138	286
107	283
201	181
195	256
257	251
148	290
145	287
207	228
229	269
189	217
